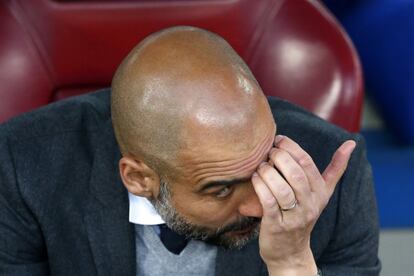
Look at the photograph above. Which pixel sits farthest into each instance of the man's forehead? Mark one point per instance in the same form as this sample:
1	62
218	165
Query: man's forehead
212	132
220	163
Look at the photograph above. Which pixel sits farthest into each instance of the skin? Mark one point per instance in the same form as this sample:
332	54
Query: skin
187	111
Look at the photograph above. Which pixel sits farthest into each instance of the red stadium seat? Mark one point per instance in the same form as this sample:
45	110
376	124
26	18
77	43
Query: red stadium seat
51	50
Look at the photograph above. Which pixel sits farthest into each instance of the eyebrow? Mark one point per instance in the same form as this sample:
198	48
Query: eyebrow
231	182
227	183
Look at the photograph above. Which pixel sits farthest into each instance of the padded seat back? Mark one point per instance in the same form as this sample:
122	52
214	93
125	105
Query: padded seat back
51	50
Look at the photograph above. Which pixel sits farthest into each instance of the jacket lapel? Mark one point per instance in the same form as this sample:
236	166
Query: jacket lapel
111	236
244	262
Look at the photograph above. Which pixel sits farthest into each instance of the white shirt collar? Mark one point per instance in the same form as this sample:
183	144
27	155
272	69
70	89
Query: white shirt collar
141	211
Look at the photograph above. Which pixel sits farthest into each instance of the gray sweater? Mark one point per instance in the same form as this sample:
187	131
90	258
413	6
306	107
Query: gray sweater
153	259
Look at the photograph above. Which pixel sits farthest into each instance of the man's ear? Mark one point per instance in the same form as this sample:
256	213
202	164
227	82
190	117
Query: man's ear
138	178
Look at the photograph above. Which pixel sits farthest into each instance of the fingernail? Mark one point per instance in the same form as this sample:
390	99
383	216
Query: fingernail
262	164
255	174
352	146
278	138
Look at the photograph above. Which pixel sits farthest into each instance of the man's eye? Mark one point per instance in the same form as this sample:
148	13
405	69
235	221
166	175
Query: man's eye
223	192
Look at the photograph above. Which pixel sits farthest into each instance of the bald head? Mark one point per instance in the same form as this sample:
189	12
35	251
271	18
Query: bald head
179	87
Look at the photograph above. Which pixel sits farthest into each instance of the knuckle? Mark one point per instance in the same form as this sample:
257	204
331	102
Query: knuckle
332	173
279	156
298	177
281	162
306	161
269	203
272	215
285	192
282	143
336	164
284	158
342	152
274	153
263	169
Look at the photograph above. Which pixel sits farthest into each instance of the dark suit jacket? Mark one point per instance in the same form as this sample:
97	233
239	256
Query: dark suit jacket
64	210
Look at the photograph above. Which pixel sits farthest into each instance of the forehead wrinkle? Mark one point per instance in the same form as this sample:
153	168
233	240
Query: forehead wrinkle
223	162
251	166
234	163
250	163
227	162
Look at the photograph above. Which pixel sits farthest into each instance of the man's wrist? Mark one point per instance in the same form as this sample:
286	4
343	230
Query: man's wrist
311	271
302	266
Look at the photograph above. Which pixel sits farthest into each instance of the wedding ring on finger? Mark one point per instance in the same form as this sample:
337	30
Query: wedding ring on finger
290	207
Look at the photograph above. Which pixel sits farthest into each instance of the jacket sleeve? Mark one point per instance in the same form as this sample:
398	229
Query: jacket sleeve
353	249
22	249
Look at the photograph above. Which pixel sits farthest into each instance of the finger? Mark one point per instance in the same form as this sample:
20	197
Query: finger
269	203
270	162
292	172
304	160
338	164
277	185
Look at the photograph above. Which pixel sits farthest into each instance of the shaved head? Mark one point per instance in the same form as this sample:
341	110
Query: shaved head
184	88
190	118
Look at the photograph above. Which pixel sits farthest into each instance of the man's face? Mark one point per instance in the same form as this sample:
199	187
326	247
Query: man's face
213	199
233	235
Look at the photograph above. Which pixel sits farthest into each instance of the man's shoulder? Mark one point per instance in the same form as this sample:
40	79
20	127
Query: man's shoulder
316	136
291	116
81	114
54	147
293	120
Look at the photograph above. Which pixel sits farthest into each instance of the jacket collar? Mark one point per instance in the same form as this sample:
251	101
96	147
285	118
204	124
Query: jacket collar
111	236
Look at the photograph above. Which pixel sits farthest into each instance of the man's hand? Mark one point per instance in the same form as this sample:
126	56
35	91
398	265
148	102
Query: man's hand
291	180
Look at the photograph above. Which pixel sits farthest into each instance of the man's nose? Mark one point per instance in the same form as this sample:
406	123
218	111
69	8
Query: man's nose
250	206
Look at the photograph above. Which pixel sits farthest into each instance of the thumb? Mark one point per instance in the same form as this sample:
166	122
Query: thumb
338	164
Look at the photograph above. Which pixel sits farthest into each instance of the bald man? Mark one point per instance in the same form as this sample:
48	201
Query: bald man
185	139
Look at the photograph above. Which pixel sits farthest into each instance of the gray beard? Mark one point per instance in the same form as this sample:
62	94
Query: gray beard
218	237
